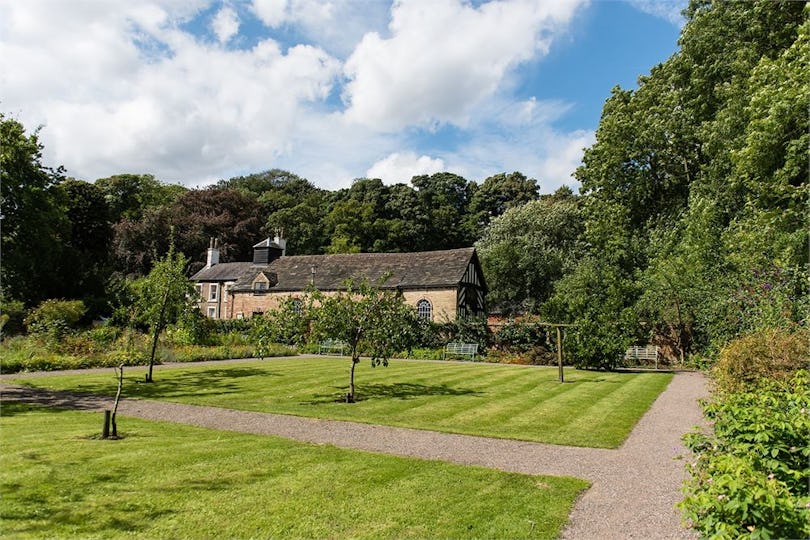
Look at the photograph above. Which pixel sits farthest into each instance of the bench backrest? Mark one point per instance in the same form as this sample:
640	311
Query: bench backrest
650	352
462	348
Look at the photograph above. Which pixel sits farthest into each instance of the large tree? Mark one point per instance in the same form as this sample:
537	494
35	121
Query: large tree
34	225
528	248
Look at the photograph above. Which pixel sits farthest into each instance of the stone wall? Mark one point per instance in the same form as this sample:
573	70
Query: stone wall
245	304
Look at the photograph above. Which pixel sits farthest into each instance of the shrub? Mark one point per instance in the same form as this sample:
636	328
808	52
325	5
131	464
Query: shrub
12	314
55	318
771	354
749	479
472	330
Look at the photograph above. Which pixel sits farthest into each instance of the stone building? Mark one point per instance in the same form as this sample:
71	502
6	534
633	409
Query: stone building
441	285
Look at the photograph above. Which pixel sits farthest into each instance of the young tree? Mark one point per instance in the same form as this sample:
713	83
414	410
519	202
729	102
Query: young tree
368	319
162	297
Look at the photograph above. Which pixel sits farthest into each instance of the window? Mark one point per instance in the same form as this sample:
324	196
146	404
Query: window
213	292
212	312
259	287
297	306
240	315
424	309
199	292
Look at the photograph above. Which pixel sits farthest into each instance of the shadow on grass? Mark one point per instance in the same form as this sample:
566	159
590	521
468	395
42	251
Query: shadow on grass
366	392
168	385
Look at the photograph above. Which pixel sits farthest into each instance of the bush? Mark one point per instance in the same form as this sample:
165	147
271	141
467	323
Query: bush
750	477
55	318
472	330
773	354
12	314
518	335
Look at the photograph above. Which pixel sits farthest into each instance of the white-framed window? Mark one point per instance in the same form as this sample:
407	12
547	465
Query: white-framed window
199	288
213	292
212	312
240	315
424	309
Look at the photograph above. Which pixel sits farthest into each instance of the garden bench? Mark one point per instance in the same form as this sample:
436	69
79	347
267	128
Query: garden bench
464	349
329	346
648	353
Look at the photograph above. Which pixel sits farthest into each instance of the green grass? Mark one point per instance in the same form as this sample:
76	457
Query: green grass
174	481
595	409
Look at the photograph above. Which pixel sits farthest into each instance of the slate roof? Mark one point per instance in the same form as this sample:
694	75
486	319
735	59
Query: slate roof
426	269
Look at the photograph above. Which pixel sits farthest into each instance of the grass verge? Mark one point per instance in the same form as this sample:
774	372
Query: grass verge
174	481
594	409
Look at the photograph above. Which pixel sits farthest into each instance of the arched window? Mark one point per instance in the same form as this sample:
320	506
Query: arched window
424	309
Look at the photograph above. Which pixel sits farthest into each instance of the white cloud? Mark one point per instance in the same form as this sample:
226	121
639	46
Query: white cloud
189	111
225	24
669	10
336	25
273	13
122	86
444	58
401	167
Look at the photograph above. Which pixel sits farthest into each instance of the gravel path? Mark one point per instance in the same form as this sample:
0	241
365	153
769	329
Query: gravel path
634	488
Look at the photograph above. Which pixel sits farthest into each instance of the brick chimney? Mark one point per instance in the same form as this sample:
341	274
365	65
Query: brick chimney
213	253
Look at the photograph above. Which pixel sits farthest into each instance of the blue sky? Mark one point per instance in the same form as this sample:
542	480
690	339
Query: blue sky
193	91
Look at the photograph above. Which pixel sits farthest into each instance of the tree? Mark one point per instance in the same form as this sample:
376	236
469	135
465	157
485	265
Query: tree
86	266
368	319
496	195
288	324
130	195
34	226
528	248
163	295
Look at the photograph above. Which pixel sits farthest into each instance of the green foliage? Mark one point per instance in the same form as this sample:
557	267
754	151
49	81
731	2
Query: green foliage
12	315
520	335
367	318
597	298
766	355
467	330
34	224
288	324
55	318
528	248
163	296
750	476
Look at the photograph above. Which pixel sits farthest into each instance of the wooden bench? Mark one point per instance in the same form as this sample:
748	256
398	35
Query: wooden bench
329	346
463	349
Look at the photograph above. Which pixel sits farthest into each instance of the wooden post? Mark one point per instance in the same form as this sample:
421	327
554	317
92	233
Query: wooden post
105	431
560	354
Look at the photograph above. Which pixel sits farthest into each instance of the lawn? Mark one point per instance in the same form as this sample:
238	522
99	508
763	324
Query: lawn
595	409
174	481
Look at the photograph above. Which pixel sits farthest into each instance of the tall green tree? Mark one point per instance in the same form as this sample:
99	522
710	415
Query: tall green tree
527	249
368	319
33	221
496	195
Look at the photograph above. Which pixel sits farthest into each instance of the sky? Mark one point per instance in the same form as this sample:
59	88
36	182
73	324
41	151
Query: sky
194	91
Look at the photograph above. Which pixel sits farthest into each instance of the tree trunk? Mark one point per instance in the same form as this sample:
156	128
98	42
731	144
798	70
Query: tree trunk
120	372
156	333
350	395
